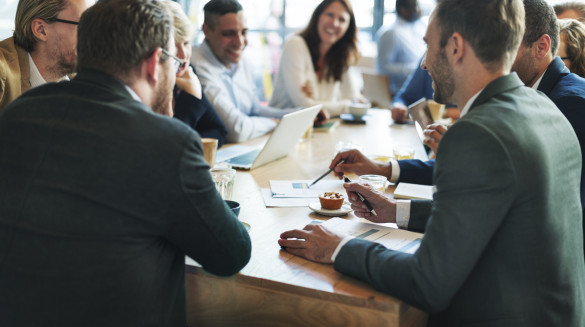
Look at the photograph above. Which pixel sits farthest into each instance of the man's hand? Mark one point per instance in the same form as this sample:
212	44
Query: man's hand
399	113
189	82
357	163
433	134
314	242
384	207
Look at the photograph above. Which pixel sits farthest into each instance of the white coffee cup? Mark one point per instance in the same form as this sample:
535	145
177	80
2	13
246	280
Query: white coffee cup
359	109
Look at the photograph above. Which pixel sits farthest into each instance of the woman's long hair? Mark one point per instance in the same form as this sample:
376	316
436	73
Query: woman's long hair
343	53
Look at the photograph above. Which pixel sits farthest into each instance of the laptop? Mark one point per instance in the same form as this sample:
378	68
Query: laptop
283	138
377	90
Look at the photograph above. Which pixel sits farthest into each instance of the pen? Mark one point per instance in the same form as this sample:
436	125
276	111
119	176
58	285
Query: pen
364	201
321	177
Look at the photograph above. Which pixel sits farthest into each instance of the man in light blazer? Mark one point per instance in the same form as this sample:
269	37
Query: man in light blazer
43	46
100	197
500	246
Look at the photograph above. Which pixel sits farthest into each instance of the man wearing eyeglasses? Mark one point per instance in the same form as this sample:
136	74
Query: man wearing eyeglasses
100	197
43	46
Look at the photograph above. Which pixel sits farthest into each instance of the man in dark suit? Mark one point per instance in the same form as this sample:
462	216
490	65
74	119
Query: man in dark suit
100	197
500	247
537	67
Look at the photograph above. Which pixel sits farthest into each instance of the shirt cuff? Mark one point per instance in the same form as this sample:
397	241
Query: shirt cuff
395	171
339	246
402	213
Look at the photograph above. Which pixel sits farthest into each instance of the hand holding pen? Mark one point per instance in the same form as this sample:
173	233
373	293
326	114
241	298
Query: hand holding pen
375	206
357	163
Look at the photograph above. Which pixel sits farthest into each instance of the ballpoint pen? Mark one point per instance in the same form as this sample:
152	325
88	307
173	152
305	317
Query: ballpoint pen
321	177
364	201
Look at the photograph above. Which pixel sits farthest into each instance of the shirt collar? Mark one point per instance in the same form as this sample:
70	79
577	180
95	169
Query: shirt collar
537	83
469	103
211	57
136	97
36	79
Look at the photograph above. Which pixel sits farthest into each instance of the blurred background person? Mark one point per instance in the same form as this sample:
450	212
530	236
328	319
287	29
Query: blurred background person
401	46
189	103
571	9
572	45
314	68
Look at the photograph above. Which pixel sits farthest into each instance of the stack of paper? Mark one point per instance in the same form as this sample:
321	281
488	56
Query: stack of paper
392	238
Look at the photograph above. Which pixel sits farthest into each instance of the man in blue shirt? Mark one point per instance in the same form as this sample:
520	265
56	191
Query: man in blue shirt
401	46
226	76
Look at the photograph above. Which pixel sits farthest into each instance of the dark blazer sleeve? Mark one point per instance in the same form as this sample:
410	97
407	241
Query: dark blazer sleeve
200	115
202	221
464	205
420	211
416	171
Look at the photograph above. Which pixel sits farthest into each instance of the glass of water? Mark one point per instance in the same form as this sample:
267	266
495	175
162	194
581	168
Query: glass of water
223	177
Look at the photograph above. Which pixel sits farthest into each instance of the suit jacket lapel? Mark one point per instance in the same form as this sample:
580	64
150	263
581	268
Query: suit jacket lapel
24	68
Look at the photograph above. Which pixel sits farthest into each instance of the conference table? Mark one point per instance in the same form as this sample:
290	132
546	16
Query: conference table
279	289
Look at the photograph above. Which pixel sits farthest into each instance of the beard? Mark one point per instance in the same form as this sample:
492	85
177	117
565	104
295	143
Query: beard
65	64
163	94
443	82
65	55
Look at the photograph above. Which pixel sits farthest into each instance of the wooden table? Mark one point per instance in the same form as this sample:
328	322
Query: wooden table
279	289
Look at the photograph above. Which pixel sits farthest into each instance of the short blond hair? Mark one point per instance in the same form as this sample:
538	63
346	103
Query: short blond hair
182	24
26	12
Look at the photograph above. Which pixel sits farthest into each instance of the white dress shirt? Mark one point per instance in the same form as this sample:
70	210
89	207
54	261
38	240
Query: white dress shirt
296	69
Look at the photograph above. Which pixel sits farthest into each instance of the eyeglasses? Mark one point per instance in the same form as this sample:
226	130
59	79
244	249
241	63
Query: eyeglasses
64	21
178	63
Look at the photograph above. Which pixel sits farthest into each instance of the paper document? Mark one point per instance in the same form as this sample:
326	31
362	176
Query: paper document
392	238
413	191
271	201
300	188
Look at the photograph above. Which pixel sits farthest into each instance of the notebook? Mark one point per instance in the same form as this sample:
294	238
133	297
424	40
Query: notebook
377	90
283	138
413	191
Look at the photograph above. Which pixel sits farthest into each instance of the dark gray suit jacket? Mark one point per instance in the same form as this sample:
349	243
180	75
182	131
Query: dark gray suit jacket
100	200
502	246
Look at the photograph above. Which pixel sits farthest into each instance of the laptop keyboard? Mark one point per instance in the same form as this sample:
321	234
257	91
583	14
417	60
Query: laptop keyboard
244	159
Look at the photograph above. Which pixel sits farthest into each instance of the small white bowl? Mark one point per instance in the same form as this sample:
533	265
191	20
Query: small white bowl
359	109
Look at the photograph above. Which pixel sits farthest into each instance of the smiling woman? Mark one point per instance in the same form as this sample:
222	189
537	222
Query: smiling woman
314	68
